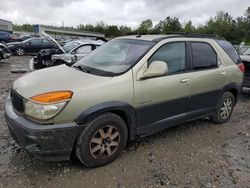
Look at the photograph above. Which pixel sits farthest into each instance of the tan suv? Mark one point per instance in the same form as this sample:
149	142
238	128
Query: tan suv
131	86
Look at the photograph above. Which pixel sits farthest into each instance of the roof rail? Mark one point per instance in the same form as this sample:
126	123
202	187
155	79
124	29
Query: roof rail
187	34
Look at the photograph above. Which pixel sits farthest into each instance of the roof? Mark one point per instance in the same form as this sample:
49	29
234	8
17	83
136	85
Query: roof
6	21
96	42
157	38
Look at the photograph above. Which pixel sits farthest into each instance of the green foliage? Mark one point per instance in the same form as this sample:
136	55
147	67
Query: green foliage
223	25
145	26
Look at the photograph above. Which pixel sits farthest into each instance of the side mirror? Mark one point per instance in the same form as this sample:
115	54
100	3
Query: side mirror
156	68
73	52
29	43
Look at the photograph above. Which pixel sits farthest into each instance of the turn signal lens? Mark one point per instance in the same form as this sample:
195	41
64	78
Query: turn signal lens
52	97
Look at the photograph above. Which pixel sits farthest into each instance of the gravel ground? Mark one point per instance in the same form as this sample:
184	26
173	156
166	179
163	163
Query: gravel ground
195	154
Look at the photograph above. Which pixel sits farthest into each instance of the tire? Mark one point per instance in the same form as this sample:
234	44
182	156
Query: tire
95	146
224	109
19	51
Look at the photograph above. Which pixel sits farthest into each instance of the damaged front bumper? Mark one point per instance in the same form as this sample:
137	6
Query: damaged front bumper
46	142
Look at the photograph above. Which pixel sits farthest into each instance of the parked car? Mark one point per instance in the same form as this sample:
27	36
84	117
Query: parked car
31	46
5	53
245	57
130	87
68	54
24	37
75	50
5	37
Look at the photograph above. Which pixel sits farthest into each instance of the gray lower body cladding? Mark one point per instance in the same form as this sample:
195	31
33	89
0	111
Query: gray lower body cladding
47	142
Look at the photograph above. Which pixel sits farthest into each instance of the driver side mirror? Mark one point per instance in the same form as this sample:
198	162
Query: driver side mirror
155	69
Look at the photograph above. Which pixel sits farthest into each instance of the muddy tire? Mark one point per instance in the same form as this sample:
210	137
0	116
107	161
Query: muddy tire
102	141
224	109
19	51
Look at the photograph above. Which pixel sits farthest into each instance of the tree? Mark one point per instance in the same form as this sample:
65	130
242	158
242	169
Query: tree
169	25
189	27
145	26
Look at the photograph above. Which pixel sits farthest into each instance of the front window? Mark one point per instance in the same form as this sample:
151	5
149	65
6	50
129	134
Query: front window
114	57
70	46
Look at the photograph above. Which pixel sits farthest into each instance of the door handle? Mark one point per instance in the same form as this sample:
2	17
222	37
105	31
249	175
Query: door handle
185	80
223	73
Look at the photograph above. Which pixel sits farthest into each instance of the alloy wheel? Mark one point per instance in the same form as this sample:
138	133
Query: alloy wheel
20	51
105	142
226	108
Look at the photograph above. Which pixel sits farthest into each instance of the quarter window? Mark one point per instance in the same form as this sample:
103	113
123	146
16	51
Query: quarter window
203	56
173	54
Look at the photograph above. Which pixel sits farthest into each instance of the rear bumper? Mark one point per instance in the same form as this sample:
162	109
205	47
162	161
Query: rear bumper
46	142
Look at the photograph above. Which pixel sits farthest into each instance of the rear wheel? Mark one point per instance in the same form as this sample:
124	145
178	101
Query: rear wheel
102	141
224	109
19	51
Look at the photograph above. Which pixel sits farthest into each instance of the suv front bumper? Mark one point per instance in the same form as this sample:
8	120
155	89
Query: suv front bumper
46	142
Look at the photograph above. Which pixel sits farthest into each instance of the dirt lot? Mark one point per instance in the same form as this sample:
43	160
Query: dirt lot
195	154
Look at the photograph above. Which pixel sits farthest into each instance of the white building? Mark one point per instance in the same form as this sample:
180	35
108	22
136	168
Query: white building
5	25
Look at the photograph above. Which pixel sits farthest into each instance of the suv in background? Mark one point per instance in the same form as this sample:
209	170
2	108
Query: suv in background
5	37
130	87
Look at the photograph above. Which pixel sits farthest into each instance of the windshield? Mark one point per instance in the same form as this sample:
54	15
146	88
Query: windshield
70	45
114	57
246	52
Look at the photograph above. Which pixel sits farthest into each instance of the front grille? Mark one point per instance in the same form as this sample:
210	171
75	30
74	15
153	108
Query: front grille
17	101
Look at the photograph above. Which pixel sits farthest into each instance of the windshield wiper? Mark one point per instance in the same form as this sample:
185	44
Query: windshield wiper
82	69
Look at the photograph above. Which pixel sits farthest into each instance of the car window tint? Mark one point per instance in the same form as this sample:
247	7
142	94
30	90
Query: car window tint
84	49
203	56
173	54
45	41
35	41
230	50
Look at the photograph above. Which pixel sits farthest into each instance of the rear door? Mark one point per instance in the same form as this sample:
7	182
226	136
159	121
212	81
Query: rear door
207	80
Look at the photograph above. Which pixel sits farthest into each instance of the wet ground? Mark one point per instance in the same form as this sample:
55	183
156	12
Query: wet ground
195	154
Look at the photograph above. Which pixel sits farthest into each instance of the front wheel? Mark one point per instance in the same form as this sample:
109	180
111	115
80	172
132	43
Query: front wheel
102	141
19	51
224	109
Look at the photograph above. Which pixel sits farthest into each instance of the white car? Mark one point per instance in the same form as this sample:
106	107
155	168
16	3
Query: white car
75	50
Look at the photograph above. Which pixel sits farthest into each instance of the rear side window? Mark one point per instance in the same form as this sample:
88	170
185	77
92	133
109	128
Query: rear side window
230	50
203	56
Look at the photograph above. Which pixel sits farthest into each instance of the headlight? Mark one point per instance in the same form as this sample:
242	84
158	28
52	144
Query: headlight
42	111
47	105
10	46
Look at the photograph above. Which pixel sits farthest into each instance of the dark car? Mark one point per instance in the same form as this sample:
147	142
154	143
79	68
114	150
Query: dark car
23	38
5	37
31	46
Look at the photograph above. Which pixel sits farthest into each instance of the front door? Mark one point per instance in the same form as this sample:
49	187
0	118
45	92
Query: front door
162	101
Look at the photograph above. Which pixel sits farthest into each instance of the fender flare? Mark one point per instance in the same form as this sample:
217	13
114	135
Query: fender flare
111	106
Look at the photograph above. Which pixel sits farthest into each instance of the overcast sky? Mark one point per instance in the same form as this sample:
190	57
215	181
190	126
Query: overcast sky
118	12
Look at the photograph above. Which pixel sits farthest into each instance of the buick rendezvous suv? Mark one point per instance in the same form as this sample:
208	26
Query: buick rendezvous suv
130	87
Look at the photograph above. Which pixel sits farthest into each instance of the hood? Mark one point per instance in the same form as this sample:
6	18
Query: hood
245	57
56	79
13	43
51	38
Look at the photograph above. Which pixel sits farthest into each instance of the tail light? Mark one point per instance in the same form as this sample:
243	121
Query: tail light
241	67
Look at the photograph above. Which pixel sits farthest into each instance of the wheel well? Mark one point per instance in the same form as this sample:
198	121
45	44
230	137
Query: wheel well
234	92
125	118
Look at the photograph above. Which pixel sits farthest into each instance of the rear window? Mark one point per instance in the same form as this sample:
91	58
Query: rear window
230	50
